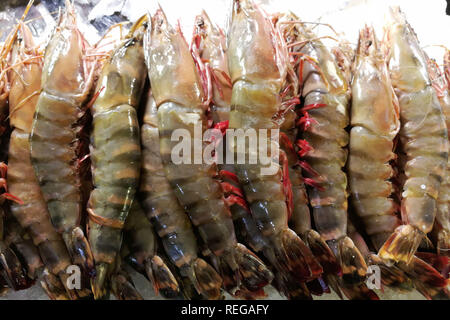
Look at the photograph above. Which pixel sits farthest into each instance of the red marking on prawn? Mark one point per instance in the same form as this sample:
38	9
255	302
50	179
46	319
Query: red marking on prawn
222	126
203	69
287	186
306	121
80	161
216	81
196	39
313	183
305	166
6	195
230	175
233	199
226	77
287	105
229	188
285	91
3	184
94	98
11	197
313	106
286	141
304	147
312	61
291	102
300	73
3	169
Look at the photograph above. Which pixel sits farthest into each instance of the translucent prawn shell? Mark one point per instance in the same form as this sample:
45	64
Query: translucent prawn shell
374	104
65	69
407	64
171	66
122	82
423	131
25	81
258	60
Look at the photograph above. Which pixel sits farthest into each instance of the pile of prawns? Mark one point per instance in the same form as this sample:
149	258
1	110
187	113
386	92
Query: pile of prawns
89	182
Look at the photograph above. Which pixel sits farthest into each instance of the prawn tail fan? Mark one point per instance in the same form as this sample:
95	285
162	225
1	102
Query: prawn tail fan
402	244
162	278
352	262
206	280
427	280
253	273
296	257
322	253
123	288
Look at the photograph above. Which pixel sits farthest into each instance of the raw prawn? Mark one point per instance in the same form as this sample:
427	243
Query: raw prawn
375	122
324	117
67	79
167	215
257	62
442	222
423	139
31	211
115	150
180	100
209	44
300	215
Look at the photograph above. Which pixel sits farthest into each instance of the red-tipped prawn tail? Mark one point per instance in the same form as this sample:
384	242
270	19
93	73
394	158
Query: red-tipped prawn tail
391	276
427	280
402	244
291	288
439	262
298	258
354	268
359	292
242	270
322	253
